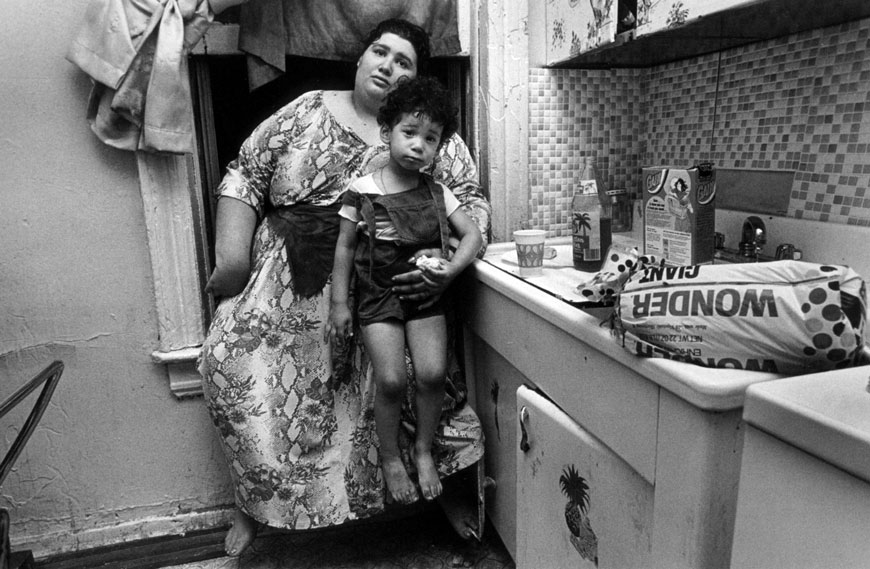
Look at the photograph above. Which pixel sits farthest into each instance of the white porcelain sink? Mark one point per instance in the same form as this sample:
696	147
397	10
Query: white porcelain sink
819	242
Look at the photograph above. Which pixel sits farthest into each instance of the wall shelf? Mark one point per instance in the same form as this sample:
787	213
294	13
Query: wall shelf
741	25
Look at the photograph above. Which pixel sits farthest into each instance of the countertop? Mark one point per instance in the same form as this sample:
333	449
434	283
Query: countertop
554	296
825	414
706	388
559	277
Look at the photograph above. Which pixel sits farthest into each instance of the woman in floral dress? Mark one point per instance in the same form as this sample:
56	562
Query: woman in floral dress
295	416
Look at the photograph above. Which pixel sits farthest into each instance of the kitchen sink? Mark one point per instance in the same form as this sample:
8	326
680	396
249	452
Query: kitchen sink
730	256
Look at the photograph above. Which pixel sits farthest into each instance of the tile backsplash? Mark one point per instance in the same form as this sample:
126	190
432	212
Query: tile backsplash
795	103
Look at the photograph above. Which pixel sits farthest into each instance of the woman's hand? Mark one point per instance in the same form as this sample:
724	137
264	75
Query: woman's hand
228	281
440	273
423	285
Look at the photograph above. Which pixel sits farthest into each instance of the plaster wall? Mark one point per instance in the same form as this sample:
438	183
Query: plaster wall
116	456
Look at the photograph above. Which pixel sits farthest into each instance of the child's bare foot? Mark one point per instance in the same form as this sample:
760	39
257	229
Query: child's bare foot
399	485
241	534
427	474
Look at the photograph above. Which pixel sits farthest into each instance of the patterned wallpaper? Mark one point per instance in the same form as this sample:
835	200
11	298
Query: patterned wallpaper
796	103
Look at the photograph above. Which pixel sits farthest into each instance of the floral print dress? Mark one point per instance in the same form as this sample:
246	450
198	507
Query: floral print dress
295	416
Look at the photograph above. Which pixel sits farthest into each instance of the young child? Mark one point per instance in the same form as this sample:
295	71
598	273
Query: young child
387	217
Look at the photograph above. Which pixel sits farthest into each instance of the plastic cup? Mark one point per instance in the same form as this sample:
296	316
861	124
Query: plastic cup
530	251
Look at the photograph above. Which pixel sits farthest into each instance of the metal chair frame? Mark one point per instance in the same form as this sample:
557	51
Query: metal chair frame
50	376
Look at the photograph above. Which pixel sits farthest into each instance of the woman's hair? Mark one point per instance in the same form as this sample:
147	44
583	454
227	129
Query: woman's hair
414	34
424	96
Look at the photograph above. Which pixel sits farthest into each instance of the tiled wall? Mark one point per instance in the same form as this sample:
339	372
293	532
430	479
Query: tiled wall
795	103
580	113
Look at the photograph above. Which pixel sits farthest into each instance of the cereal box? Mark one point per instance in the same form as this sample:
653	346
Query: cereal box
679	213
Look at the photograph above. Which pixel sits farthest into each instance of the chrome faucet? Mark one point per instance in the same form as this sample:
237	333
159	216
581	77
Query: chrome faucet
788	251
785	251
754	237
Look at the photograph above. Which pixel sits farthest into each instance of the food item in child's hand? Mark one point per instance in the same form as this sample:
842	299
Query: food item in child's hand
424	262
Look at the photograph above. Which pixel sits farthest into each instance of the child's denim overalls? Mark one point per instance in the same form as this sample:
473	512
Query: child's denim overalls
420	219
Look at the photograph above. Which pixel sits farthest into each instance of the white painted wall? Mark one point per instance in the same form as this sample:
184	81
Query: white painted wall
502	110
116	455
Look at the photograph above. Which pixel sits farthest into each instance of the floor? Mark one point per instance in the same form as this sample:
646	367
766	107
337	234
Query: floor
423	541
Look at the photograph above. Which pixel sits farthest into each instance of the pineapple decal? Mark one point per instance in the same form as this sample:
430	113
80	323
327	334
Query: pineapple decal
582	537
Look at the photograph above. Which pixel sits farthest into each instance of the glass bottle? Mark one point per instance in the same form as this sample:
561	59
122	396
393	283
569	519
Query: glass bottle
620	210
590	220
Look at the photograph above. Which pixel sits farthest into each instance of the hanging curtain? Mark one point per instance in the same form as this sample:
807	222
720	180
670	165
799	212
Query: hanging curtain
135	51
332	29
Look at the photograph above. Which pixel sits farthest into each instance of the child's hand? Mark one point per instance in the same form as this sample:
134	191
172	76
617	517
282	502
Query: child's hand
436	272
228	281
339	326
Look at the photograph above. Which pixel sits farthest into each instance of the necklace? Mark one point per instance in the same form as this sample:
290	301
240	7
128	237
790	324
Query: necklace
383	185
401	184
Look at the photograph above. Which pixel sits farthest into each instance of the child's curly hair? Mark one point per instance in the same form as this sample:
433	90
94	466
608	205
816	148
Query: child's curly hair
425	96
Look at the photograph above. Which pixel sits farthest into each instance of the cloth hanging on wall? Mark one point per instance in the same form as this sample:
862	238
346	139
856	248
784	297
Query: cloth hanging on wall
332	29
135	51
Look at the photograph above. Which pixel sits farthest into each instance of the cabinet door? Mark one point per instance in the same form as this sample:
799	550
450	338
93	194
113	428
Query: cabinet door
655	16
578	503
496	382
574	27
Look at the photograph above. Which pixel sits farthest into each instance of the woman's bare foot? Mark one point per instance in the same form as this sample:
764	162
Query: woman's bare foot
399	484
458	503
427	474
242	533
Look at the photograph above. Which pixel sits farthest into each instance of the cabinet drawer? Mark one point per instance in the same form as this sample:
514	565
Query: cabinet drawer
582	506
610	400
